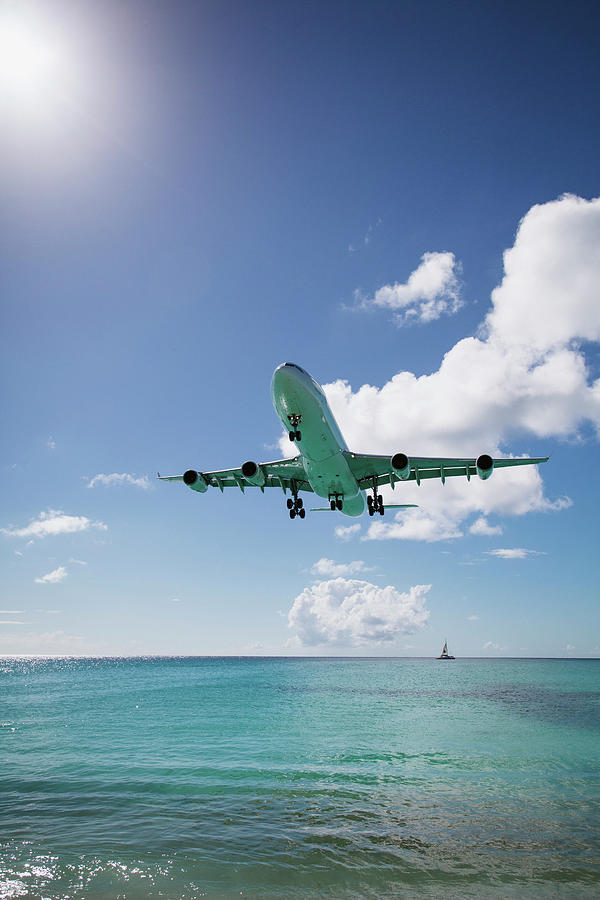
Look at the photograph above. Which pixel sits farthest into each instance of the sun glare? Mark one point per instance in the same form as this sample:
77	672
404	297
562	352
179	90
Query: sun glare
29	61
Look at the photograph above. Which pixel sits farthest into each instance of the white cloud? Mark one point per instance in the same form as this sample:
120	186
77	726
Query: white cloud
482	526
54	642
472	618
525	374
175	600
51	443
10	622
115	478
433	289
514	553
79	562
53	577
415	525
351	612
346	532
11	612
327	568
52	522
371	230
549	293
489	645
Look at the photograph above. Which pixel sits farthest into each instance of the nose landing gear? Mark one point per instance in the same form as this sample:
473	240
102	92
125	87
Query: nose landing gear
295	434
296	507
375	503
336	502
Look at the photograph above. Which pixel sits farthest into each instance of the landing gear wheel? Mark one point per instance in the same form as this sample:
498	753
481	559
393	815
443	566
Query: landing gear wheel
381	510
292	435
339	504
292	513
299	503
289	502
369	501
371	510
332	504
298	436
380	500
301	512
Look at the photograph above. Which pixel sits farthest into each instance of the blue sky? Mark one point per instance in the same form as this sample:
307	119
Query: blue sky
192	193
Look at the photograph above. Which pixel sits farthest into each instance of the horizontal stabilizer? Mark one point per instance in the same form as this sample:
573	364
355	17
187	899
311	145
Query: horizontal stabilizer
387	506
401	505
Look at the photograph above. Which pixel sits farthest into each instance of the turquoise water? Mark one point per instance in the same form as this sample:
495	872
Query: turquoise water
265	778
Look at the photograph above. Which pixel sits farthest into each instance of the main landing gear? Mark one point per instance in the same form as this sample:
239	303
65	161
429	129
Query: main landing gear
295	434
296	507
375	503
336	502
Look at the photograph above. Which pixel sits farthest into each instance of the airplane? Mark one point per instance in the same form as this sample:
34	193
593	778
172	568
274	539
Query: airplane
325	466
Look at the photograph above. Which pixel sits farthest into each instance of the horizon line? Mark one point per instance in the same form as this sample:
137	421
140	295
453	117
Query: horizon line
261	656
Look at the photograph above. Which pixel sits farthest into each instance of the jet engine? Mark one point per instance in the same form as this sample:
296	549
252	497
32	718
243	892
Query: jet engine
401	466
484	466
253	473
195	480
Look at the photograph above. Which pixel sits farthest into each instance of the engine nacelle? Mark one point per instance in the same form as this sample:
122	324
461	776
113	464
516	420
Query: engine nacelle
195	480
484	465
401	466
253	473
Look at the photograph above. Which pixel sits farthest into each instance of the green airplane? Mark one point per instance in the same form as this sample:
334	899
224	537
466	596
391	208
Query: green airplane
325	466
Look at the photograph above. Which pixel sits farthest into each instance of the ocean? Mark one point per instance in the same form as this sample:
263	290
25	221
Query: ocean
301	778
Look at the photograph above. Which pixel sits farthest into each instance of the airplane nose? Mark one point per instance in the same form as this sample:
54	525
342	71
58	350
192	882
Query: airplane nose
285	376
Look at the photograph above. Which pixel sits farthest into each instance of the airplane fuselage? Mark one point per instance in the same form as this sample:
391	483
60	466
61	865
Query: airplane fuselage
297	396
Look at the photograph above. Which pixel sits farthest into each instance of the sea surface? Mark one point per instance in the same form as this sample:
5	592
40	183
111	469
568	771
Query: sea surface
300	778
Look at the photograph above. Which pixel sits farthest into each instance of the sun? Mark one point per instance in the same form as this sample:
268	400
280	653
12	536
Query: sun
30	62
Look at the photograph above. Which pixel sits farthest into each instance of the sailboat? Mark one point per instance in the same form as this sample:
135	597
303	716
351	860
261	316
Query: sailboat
445	654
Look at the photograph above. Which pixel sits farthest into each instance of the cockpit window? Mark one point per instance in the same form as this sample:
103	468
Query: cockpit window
294	366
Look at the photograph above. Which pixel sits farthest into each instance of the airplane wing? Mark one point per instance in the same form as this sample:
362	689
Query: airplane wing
283	473
365	467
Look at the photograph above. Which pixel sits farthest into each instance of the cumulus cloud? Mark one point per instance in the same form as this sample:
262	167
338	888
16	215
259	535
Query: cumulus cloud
346	532
549	293
52	522
482	526
432	290
415	525
525	375
353	613
514	553
122	478
53	577
327	568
